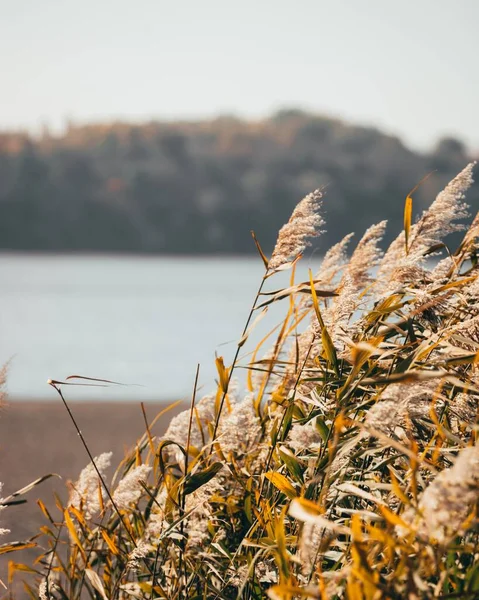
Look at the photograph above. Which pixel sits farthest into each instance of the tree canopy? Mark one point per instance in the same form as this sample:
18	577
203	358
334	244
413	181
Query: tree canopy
200	187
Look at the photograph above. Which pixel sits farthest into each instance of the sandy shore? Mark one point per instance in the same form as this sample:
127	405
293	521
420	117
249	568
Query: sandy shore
37	438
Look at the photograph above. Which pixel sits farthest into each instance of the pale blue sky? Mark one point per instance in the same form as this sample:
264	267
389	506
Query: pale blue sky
407	66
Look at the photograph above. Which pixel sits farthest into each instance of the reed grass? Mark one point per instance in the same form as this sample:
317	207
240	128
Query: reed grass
347	467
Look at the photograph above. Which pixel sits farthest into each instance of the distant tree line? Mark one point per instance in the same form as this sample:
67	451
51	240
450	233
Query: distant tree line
200	187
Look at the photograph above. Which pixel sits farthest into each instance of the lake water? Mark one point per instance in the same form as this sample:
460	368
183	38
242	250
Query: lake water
137	320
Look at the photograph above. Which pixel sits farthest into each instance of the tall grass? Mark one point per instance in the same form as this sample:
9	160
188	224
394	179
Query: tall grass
347	468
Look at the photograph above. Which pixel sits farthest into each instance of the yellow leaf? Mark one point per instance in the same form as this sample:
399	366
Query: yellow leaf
453	284
310	512
303	509
354	589
253	358
261	253
356	528
397	490
78	515
109	542
393	518
281	482
222	373
408	211
14	546
289	592
71	529
280	537
361	352
100	497
44	510
368	580
13	567
407	219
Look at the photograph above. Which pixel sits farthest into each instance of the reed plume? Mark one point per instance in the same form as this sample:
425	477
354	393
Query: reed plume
440	219
294	236
85	493
447	502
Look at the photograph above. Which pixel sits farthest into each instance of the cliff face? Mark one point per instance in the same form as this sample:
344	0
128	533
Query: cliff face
201	187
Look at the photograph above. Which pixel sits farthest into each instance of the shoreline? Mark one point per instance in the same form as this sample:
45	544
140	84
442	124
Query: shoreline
37	437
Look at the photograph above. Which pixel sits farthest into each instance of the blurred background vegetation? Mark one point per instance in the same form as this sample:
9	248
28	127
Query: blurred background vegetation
200	187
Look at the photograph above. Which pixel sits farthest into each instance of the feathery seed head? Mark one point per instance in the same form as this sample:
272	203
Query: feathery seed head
129	489
242	419
446	502
141	550
437	221
42	591
304	437
333	261
366	255
293	237
86	490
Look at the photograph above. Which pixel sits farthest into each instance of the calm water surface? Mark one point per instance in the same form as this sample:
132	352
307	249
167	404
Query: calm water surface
137	320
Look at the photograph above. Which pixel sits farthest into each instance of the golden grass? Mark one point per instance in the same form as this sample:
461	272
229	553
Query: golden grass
349	468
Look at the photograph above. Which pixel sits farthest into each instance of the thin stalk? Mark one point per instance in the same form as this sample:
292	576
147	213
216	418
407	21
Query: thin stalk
291	401
90	456
155	564
183	495
235	359
52	557
192	406
100	477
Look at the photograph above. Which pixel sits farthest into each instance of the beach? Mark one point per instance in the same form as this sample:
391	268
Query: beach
38	438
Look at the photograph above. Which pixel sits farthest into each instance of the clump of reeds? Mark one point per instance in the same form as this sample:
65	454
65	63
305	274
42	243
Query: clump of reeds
347	468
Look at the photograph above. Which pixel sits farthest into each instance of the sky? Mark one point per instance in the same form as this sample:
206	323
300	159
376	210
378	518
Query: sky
408	67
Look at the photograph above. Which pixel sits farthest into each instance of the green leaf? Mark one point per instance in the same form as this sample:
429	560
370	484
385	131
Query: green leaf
329	349
292	464
322	429
196	480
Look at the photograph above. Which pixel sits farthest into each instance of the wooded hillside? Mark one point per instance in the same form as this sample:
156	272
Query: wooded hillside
201	187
